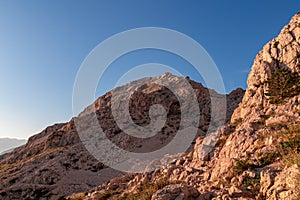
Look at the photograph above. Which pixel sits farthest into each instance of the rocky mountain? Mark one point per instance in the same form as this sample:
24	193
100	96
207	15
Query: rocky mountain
55	163
255	156
8	144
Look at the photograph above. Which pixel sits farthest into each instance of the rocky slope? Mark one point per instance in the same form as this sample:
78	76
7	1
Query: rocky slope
54	163
256	156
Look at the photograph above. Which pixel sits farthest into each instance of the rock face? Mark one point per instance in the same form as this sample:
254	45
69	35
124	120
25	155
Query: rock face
176	192
256	142
282	51
256	156
258	117
55	163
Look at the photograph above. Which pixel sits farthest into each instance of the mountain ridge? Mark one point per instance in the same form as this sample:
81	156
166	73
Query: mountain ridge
255	156
55	163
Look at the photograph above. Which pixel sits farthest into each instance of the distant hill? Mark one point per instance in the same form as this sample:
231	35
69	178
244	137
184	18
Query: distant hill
7	144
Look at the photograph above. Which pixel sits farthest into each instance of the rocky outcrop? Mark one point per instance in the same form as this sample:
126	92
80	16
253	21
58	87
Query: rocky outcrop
256	142
283	51
176	192
280	184
256	156
256	114
55	163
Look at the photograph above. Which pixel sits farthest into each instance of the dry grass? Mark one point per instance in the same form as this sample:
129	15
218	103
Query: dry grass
288	145
146	190
13	169
79	196
286	149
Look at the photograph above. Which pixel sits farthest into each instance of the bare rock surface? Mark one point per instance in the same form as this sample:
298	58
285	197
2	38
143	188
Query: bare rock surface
178	191
55	163
255	156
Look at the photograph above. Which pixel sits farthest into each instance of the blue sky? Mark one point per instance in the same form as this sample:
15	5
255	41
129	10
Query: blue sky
43	43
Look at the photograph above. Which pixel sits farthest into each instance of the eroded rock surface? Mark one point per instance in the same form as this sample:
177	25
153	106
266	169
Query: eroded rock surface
55	163
256	156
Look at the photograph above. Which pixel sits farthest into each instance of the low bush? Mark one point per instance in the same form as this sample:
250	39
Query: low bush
282	85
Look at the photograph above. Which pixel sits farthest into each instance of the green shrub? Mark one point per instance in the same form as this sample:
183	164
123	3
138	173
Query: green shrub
268	158
282	85
252	182
241	166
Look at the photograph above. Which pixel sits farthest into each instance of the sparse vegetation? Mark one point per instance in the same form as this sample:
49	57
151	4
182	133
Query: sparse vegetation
8	170
241	166
287	149
143	192
282	85
288	144
235	123
248	164
146	190
106	195
253	183
268	158
292	158
79	196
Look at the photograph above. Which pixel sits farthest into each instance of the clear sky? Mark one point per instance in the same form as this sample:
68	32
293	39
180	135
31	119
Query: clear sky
43	43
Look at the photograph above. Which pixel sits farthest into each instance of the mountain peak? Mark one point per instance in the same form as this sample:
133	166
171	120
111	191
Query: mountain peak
58	161
256	156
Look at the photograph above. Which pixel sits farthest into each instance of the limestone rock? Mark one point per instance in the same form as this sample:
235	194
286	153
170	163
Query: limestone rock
56	163
239	160
179	192
281	185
